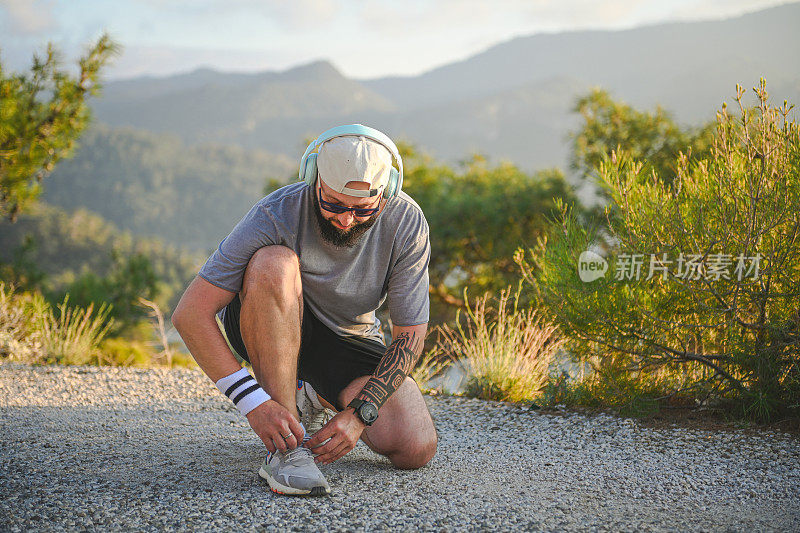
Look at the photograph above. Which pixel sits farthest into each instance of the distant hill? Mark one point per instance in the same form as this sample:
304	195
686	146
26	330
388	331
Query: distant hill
687	67
527	125
511	101
271	111
155	185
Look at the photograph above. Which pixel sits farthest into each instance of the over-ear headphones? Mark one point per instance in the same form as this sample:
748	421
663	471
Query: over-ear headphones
308	164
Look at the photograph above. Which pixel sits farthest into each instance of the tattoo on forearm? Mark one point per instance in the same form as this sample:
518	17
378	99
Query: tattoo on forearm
393	369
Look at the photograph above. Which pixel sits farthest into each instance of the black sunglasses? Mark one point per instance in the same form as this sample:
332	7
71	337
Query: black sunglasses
339	209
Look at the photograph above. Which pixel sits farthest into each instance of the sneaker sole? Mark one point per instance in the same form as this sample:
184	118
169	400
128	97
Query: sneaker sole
280	488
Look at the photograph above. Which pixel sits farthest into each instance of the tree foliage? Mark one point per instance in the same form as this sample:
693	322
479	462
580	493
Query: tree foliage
41	116
130	278
652	138
155	185
49	249
719	334
478	214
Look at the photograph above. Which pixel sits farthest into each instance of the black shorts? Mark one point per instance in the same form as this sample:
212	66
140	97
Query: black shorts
328	361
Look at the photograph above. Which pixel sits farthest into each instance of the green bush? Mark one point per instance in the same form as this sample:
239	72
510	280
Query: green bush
118	351
31	332
131	277
19	339
478	213
731	339
652	138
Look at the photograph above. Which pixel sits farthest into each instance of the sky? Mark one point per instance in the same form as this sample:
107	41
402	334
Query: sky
362	38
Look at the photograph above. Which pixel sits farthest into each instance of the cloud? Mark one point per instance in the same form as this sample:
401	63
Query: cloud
478	17
723	8
168	60
304	14
294	14
29	17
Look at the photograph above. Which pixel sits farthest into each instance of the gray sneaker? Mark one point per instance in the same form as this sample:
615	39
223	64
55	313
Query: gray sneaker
313	414
294	472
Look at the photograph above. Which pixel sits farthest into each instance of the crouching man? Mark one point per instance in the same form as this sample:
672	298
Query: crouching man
296	284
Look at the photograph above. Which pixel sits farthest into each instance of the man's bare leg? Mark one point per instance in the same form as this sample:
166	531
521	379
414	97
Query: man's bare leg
270	320
404	431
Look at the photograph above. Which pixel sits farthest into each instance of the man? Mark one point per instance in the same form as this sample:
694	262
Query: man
296	285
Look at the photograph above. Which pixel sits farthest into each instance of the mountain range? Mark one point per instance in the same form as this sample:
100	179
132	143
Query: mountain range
511	102
184	157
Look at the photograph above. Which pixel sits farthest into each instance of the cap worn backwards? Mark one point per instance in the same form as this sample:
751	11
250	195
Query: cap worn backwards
354	158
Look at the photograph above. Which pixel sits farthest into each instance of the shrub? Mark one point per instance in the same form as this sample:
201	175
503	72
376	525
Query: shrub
731	338
31	332
18	339
74	336
131	278
507	351
468	206
431	369
117	351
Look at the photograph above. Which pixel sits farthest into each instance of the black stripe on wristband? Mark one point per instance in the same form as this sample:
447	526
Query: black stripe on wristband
237	385
245	392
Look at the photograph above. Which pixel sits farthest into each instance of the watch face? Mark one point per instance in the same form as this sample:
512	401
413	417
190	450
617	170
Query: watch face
369	413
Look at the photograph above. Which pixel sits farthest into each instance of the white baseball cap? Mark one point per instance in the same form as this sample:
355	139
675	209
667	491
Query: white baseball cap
354	158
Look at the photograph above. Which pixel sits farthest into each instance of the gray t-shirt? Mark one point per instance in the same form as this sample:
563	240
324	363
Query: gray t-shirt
343	286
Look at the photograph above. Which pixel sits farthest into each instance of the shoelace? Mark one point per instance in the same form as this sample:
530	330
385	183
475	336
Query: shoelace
298	454
324	415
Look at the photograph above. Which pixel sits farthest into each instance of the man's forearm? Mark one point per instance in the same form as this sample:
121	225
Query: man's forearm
396	364
205	342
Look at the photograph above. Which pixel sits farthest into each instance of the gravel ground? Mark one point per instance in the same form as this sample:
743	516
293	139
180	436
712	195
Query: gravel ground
134	449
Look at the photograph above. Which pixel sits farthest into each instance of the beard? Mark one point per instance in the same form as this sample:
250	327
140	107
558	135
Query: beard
343	238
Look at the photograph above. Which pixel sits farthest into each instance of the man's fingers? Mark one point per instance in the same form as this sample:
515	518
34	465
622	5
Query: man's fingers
296	428
332	456
321	436
287	435
329	446
270	446
280	444
291	442
336	453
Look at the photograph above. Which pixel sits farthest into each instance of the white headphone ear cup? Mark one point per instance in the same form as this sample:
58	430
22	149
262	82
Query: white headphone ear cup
310	172
398	180
391	186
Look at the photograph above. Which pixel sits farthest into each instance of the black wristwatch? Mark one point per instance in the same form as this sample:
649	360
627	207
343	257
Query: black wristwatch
365	410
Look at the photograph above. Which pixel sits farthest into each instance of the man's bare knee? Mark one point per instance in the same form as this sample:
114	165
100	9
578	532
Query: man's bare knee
415	455
409	440
275	269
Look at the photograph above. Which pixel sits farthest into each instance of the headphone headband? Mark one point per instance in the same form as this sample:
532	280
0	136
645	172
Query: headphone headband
358	130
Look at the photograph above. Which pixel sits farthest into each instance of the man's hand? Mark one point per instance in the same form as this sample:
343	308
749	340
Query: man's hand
271	421
343	430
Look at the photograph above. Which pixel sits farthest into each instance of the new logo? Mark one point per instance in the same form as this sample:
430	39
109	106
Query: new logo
591	266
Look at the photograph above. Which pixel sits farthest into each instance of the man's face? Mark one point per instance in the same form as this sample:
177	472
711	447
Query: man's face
343	229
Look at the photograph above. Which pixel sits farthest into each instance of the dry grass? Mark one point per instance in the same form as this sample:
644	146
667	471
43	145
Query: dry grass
432	365
508	351
31	331
18	338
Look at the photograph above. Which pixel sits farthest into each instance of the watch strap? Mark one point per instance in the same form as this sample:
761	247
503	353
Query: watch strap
356	404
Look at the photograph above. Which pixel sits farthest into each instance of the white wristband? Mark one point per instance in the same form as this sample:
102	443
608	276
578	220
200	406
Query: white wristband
243	390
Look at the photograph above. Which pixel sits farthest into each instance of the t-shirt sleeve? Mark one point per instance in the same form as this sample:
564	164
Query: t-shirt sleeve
225	267
409	303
